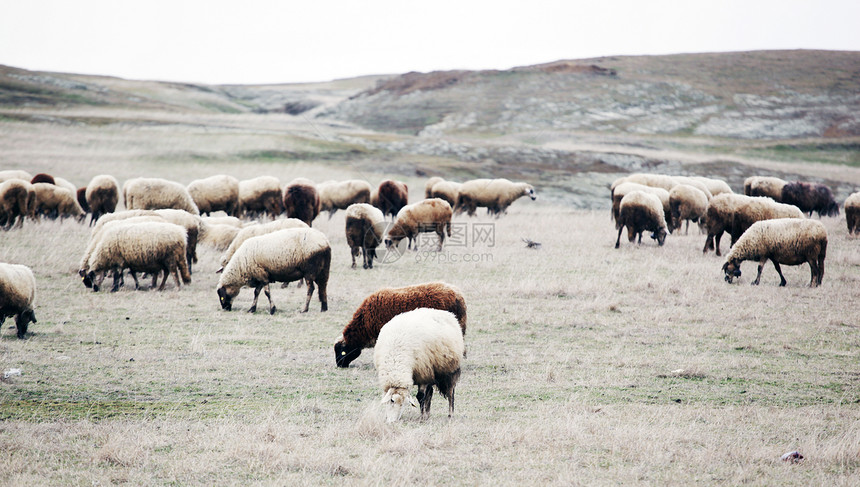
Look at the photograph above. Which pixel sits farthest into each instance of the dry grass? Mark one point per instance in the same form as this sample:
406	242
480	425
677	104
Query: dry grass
587	365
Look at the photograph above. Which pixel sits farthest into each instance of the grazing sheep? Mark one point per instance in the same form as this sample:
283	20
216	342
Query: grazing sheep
55	201
102	196
157	193
81	196
15	174
425	216
215	193
810	197
641	211
694	183
260	195
721	212
364	228
42	178
494	194
218	236
339	195
622	189
715	186
17	196
757	209
852	212
764	186
786	241
647	179
380	307
687	203
17	292
428	187
390	197
301	200
422	347
148	246
446	190
255	231
283	256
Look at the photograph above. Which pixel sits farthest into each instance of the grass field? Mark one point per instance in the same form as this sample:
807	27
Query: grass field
586	364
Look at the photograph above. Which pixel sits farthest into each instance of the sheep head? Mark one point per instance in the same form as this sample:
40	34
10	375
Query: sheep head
395	235
732	268
529	191
226	295
660	235
393	400
85	278
343	354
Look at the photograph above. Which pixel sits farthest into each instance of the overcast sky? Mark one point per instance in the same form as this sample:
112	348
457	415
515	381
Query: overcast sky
256	41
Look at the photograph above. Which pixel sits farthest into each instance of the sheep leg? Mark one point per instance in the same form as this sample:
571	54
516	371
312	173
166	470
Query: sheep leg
618	240
717	238
782	280
364	258
354	253
253	308
820	267
116	279
758	276
175	276
440	230
271	304
687	228
425	396
813	269
310	293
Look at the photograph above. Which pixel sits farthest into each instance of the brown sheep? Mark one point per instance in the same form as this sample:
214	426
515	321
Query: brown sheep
622	189
810	197
687	203
43	178
16	198
433	215
852	213
81	195
390	197
641	211
758	209
721	212
102	196
260	195
55	201
364	228
380	307
301	200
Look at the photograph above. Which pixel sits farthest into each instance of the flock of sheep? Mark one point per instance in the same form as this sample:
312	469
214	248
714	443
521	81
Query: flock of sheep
164	221
766	223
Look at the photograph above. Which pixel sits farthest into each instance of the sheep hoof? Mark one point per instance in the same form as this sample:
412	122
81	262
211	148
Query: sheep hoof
272	310
95	288
252	309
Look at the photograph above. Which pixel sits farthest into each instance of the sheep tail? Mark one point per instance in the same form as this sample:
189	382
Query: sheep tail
182	263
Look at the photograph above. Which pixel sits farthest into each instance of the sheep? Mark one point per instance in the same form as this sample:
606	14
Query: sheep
260	195
622	189
15	174
17	292
446	190
641	211
283	256
810	197
215	193
55	201
364	228
757	209
102	196
721	212
715	186
254	231
764	186
64	183
421	347
301	200
81	196
494	194
687	203
694	183
852	212
16	198
223	220
339	195
218	236
425	216
43	178
390	197
787	241
148	246
157	193
647	179
380	307
428	187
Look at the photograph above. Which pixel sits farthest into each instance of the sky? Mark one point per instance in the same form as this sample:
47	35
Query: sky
260	42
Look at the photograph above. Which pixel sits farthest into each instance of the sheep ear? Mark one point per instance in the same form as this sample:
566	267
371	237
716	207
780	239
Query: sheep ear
220	270
387	397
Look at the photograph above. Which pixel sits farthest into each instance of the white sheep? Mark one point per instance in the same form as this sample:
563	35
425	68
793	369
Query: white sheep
694	183
283	256
255	231
424	216
223	220
422	347
428	186
17	293
260	195
157	193
786	241
852	212
15	174
17	196
56	201
336	195
102	195
446	190
215	193
365	225
721	213
65	183
715	186
647	179
641	211
752	210
147	246
218	236
764	186
494	194
687	203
